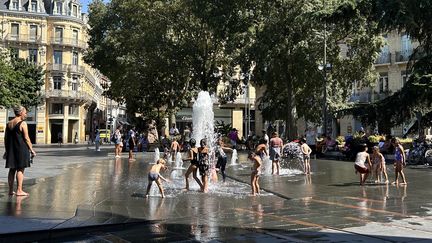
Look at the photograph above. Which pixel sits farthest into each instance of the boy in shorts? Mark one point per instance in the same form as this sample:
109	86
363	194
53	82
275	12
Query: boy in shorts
154	175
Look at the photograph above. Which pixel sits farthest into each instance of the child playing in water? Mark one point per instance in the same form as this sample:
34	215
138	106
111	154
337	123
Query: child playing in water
203	164
306	150
379	166
256	169
175	147
261	149
221	157
399	162
154	175
193	167
359	164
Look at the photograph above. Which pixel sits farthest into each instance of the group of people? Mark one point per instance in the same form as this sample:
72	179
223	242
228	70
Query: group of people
375	164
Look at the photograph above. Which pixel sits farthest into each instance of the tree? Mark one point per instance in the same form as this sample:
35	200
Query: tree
415	98
20	82
289	46
159	54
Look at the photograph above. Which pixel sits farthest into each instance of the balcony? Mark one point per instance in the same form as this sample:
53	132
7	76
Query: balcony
79	97
68	42
403	56
24	38
67	68
384	58
361	97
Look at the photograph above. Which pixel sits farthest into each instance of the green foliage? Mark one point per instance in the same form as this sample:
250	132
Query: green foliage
20	82
375	138
222	128
289	47
159	54
411	17
340	139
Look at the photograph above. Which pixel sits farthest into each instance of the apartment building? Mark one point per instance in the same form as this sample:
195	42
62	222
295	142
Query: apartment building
391	67
53	34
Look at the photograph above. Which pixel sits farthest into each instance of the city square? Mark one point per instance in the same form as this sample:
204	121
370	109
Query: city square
92	197
216	121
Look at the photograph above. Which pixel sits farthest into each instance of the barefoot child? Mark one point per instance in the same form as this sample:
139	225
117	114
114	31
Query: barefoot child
256	168
154	175
399	162
378	162
175	147
359	164
193	167
306	150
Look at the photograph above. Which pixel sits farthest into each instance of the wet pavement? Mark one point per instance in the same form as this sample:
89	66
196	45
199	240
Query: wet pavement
77	194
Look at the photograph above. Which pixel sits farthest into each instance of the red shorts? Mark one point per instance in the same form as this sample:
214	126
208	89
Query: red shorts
361	170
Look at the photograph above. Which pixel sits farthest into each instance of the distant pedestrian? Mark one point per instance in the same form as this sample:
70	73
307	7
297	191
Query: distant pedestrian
97	141
311	139
19	150
266	138
400	161
173	131
117	137
132	142
186	138
233	136
59	139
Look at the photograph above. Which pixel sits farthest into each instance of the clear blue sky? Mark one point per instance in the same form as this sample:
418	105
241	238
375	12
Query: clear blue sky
84	5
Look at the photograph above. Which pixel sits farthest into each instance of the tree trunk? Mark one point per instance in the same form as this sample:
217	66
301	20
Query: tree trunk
290	130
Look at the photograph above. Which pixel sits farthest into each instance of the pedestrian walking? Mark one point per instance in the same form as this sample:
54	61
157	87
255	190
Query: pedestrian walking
59	139
97	141
19	150
117	139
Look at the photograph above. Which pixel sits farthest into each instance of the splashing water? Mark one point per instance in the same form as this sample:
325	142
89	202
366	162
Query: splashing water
156	155
178	161
234	157
203	126
267	165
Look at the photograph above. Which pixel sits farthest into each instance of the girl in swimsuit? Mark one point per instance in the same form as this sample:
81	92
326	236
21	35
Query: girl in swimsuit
399	161
193	167
378	165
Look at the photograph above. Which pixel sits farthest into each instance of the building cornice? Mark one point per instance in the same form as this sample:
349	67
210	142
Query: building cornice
32	15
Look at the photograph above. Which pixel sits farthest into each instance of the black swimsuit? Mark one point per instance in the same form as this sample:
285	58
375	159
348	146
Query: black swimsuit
194	160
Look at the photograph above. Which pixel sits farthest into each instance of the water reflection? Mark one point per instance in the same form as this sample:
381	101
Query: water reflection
14	205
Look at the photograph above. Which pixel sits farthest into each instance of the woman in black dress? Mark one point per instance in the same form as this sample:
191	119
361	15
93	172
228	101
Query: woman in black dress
18	149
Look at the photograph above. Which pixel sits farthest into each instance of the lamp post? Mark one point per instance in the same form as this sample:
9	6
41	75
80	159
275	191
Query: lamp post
324	68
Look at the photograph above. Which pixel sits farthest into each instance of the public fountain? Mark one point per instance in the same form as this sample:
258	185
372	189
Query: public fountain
234	157
156	155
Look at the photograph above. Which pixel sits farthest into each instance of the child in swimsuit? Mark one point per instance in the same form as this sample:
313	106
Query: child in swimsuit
399	162
378	165
154	175
256	169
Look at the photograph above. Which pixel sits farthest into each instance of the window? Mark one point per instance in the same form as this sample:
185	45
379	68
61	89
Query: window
75	10
74	84
57	82
15	4
405	77
33	32
75	37
406	46
33	53
73	109
14	52
58	57
14	30
57	109
75	58
58	34
59	7
33	6
383	83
